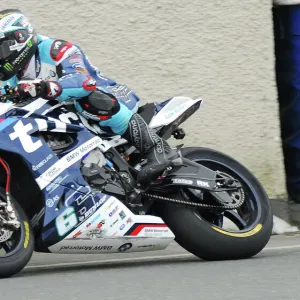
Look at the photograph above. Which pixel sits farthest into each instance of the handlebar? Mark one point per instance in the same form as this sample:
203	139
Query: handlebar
10	95
12	98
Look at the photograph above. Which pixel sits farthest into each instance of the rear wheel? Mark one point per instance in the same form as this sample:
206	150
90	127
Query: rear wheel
16	247
201	232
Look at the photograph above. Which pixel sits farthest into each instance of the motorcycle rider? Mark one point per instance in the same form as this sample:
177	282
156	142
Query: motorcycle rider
55	69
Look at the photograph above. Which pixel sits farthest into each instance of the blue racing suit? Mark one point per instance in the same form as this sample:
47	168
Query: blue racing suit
68	66
65	74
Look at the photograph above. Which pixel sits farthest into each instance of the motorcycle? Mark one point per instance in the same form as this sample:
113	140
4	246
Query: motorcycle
69	186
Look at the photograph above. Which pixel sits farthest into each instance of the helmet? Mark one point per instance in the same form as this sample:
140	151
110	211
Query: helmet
18	43
100	105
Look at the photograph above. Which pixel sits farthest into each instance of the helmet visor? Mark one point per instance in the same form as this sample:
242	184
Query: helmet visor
5	48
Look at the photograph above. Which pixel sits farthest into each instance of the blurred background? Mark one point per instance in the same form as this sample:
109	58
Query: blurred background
220	51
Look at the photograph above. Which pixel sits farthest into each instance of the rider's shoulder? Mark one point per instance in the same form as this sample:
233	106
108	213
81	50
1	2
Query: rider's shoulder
61	49
57	49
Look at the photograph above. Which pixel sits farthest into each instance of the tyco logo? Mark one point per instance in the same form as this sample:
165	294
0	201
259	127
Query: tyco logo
21	133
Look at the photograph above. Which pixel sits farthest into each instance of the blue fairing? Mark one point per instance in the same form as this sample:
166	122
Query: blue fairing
16	135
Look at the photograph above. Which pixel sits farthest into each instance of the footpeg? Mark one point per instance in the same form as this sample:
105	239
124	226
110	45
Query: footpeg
178	134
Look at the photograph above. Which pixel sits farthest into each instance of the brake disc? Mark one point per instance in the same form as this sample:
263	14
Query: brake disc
5	235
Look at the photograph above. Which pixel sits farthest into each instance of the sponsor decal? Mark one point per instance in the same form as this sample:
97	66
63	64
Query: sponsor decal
79	152
182	181
122	226
57	45
43	162
86	248
52	73
122	215
115	222
6	22
125	247
78	64
55	184
158	142
8	67
24	22
149	246
114	211
155	230
109	206
150	230
94	221
65	162
23	54
54	90
53	172
101	224
135	132
174	111
66	117
92	209
129	220
76	59
77	234
21	133
96	233
202	183
63	49
51	202
27	234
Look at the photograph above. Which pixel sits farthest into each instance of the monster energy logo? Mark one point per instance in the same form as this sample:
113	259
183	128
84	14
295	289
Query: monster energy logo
8	67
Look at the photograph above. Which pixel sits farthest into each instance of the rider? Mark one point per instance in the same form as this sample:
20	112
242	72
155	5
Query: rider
57	69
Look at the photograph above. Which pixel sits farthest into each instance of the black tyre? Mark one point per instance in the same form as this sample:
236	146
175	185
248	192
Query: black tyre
16	252
201	232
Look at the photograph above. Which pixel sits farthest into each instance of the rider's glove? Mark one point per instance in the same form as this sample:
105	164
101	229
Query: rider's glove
45	89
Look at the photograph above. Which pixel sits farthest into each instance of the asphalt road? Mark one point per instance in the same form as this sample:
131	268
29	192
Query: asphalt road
169	274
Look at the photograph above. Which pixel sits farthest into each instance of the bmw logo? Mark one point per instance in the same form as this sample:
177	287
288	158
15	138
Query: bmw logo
125	247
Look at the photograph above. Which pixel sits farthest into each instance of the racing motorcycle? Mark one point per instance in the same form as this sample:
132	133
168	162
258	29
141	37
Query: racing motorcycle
69	186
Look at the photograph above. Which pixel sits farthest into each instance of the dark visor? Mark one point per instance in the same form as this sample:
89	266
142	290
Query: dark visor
5	48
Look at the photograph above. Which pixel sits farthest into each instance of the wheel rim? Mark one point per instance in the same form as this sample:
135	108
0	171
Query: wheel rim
14	243
245	217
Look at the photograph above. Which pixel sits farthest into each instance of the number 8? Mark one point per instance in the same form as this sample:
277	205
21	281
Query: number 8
66	221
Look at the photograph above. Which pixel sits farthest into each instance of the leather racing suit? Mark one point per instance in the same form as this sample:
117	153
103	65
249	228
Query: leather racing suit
71	75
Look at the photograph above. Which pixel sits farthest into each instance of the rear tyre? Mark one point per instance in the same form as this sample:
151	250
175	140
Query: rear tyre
16	252
201	233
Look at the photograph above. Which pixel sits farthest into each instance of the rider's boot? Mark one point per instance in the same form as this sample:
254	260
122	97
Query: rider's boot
157	151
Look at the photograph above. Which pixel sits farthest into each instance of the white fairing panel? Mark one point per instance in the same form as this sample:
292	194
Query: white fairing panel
5	107
113	228
175	108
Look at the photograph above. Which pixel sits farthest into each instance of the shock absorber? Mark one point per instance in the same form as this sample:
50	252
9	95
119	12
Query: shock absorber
13	221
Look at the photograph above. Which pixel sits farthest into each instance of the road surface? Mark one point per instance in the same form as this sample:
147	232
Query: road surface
169	274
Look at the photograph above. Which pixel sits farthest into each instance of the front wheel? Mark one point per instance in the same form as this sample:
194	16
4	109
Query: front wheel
201	232
16	247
